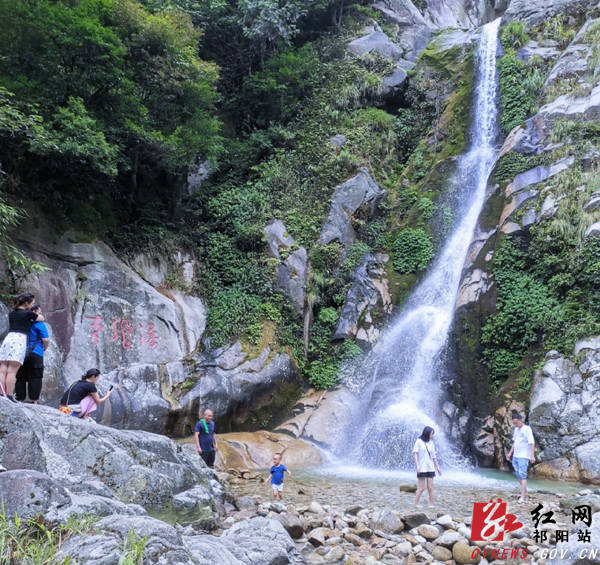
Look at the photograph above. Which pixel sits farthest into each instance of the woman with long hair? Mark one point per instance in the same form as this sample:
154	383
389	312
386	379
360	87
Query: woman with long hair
427	463
82	398
14	346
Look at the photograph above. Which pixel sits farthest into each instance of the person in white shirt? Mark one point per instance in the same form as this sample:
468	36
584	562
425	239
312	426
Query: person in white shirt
426	462
522	453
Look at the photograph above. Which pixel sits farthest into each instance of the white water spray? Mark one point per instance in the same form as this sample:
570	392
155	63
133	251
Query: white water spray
399	379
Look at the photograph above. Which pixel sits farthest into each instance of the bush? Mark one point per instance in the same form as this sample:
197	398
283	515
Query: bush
514	35
425	208
323	374
412	251
231	312
356	254
518	101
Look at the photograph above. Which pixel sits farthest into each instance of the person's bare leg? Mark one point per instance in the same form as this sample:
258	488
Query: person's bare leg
3	373
420	489
11	376
430	490
524	494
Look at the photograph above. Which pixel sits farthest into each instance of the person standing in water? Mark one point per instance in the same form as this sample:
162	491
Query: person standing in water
521	453
426	463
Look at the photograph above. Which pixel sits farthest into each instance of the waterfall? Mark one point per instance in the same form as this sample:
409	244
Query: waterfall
398	381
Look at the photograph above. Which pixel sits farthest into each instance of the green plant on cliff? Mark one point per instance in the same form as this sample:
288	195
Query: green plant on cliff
514	35
412	250
520	85
527	314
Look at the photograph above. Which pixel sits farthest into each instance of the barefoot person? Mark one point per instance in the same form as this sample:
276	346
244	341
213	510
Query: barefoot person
206	439
522	453
81	398
276	477
14	346
427	463
31	372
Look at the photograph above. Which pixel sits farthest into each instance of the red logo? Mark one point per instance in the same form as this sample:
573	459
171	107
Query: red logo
491	522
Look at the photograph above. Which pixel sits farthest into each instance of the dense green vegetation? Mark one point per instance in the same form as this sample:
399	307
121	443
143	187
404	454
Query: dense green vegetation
106	105
548	284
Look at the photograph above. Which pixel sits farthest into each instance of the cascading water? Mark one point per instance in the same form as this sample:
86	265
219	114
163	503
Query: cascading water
398	381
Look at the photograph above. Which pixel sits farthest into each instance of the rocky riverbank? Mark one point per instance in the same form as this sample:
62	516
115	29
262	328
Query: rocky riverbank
355	522
134	487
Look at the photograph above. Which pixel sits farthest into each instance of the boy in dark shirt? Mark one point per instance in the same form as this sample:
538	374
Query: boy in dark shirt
206	439
276	476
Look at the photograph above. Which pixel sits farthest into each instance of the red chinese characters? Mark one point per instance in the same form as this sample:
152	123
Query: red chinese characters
123	332
491	522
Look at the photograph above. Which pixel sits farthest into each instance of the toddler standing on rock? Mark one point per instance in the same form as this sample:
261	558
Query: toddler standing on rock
276	476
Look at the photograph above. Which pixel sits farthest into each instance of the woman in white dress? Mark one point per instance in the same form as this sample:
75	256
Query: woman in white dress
427	463
14	346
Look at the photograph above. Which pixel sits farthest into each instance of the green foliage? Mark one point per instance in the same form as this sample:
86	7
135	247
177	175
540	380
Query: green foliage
513	163
355	255
526	313
425	208
111	98
323	374
412	251
33	542
231	312
575	130
276	92
557	28
548	297
77	139
514	35
132	552
520	86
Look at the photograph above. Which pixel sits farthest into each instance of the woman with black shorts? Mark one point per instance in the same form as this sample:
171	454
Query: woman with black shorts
427	463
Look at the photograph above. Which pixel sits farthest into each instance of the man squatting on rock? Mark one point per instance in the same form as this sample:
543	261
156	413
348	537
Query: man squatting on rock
206	439
522	452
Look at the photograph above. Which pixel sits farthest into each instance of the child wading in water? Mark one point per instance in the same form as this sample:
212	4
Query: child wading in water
276	476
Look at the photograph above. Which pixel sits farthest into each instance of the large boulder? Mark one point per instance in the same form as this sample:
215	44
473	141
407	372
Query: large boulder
565	414
136	320
323	418
367	299
291	271
29	494
256	449
536	12
245	390
360	190
376	41
87	458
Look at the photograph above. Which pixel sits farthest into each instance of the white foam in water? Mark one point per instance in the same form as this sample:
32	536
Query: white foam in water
398	382
452	477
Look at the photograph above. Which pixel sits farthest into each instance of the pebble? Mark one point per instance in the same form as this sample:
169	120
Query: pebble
428	532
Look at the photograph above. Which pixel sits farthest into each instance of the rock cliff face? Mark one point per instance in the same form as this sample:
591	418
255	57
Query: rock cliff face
544	175
139	322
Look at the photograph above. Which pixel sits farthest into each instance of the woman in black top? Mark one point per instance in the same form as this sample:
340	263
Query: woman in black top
14	346
82	398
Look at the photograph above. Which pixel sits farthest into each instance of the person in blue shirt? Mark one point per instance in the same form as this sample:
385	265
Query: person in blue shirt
276	476
31	372
206	439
